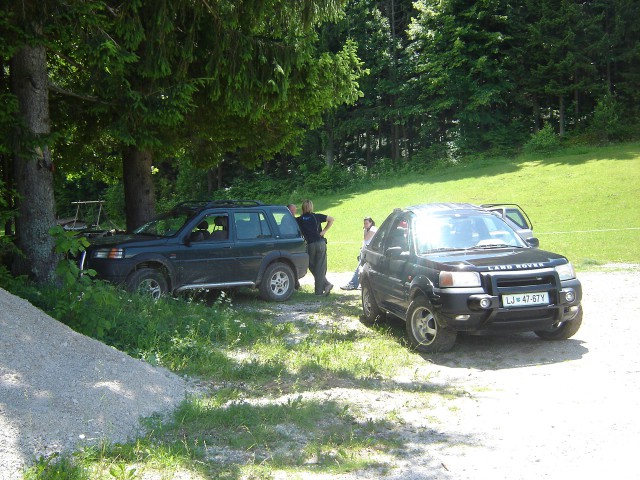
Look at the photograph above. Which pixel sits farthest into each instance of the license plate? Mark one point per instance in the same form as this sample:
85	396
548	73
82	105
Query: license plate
525	299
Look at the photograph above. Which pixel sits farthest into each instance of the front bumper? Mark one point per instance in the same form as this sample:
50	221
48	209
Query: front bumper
482	308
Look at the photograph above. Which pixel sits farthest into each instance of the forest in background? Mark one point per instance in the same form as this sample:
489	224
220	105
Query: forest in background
274	100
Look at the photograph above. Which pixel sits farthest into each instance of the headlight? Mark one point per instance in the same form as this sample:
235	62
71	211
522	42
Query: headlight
566	271
459	279
109	253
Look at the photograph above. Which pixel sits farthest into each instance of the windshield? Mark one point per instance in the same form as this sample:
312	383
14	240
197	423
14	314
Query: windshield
457	231
165	225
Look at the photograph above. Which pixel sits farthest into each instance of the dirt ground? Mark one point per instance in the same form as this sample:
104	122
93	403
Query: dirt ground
530	409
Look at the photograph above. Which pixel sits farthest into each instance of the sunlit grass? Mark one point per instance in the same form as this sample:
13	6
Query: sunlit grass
582	202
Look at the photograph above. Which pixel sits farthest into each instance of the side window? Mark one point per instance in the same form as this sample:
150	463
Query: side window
251	225
399	234
394	232
218	227
286	224
381	235
202	231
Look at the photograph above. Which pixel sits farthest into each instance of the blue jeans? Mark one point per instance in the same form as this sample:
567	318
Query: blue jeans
355	280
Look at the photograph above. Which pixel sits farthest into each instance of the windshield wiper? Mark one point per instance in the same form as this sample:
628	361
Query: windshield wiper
444	249
497	245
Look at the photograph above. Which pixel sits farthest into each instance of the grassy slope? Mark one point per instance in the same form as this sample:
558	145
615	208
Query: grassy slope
583	203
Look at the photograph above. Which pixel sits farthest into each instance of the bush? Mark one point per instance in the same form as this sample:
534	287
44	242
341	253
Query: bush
606	125
544	141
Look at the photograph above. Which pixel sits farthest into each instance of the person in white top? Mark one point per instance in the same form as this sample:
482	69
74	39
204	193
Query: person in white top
369	231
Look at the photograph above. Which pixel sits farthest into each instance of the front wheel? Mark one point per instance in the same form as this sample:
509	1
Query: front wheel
148	281
562	330
277	283
423	330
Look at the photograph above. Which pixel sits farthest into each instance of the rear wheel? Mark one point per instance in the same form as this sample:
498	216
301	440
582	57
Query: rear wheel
149	282
562	330
423	330
370	307
278	282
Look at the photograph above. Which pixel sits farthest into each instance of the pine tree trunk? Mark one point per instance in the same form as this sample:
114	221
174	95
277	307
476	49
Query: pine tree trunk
329	147
7	179
536	114
139	191
33	167
561	116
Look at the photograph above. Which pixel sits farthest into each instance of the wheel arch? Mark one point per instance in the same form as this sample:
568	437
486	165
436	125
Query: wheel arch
272	258
163	267
422	285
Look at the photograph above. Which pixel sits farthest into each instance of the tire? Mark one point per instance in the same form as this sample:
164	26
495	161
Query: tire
148	281
277	283
423	330
370	309
562	330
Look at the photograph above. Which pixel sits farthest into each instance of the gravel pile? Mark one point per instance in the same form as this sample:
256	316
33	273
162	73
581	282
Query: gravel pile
60	389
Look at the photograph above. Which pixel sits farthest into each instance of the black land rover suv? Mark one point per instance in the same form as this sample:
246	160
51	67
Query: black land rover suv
206	245
445	268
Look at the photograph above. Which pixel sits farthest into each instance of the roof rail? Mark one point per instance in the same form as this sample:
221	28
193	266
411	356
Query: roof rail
197	204
234	203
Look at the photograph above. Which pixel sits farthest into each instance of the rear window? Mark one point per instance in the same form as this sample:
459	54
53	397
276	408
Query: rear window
251	225
286	224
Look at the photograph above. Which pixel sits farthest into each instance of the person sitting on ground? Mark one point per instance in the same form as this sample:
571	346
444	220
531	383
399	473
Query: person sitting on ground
369	231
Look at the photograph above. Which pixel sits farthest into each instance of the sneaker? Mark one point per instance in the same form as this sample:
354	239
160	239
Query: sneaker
327	289
349	286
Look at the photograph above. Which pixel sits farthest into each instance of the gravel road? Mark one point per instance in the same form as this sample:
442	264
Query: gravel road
542	410
525	409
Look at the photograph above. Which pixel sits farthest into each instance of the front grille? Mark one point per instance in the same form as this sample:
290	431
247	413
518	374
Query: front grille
523	281
498	283
528	281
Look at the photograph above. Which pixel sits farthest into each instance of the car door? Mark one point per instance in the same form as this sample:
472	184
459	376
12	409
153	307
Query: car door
385	259
205	258
254	239
398	253
376	263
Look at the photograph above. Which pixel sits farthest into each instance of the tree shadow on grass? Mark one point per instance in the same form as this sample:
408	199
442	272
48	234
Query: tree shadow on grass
489	167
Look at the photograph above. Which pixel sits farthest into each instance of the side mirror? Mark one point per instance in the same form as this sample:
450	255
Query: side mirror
393	251
533	242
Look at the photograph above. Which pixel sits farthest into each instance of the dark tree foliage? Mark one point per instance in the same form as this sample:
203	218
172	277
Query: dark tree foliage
459	76
159	99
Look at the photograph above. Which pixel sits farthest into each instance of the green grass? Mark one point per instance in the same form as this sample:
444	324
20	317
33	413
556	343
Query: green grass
582	203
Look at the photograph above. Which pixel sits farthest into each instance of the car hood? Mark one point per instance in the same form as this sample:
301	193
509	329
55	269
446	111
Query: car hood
498	259
124	240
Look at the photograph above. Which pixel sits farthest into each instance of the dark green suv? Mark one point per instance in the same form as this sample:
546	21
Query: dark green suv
206	245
